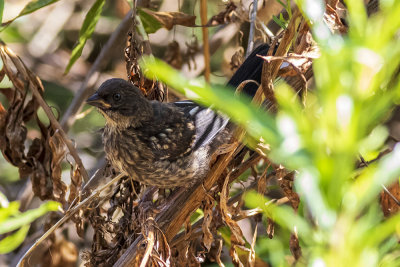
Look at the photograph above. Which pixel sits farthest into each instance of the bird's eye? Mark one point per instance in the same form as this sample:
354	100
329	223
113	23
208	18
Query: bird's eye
117	97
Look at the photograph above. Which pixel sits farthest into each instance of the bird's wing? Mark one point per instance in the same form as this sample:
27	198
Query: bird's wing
251	69
170	135
208	123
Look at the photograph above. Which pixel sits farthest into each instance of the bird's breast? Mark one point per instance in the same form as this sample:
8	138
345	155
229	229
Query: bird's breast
129	154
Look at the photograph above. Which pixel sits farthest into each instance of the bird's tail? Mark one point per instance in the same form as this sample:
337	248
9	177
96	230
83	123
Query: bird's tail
250	70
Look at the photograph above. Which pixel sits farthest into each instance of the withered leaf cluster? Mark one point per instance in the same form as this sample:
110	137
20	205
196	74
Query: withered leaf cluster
37	152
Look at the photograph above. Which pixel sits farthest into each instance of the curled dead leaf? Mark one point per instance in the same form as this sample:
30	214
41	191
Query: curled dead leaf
225	16
57	156
170	19
388	204
294	246
208	237
173	55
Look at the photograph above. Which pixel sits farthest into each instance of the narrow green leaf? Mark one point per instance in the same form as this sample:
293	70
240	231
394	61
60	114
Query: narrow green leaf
35	5
89	24
281	3
29	8
11	210
382	231
279	22
11	242
289	8
150	24
1	10
27	217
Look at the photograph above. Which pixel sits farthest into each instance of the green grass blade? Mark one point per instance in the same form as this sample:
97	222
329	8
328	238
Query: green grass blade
89	24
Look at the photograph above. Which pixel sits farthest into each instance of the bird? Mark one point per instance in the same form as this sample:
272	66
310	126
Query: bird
165	144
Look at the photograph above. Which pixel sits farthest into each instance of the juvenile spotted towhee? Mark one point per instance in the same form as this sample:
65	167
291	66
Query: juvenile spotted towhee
165	144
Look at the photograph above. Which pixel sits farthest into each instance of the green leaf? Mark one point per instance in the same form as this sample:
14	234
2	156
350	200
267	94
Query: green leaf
1	10
11	242
11	210
35	5
283	215
89	24
150	24
15	222
281	3
29	8
279	22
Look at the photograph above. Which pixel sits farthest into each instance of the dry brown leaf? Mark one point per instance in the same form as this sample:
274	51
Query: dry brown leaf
270	228
237	59
388	204
252	253
152	89
237	238
173	55
76	183
235	257
333	21
62	253
170	19
208	237
285	181
223	17
192	49
3	119
57	156
295	246
305	42
218	255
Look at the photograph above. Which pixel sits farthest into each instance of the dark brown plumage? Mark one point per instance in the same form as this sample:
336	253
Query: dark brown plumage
163	144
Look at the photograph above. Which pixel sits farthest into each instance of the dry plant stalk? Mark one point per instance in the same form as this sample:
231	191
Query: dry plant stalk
206	45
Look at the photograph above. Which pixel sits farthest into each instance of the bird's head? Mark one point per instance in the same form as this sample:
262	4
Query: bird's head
121	103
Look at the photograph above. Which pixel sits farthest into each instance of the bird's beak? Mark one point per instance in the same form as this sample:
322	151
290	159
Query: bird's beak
97	101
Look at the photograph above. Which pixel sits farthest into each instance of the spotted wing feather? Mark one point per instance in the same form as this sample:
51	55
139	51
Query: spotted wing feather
177	136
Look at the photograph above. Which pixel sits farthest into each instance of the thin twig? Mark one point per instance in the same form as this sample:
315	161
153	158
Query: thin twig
149	248
84	91
67	216
253	17
206	48
390	194
382	185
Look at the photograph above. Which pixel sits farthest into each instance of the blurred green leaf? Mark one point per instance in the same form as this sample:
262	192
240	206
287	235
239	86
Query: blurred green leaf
35	5
13	241
1	10
150	24
29	8
281	23
10	210
283	215
89	24
16	221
